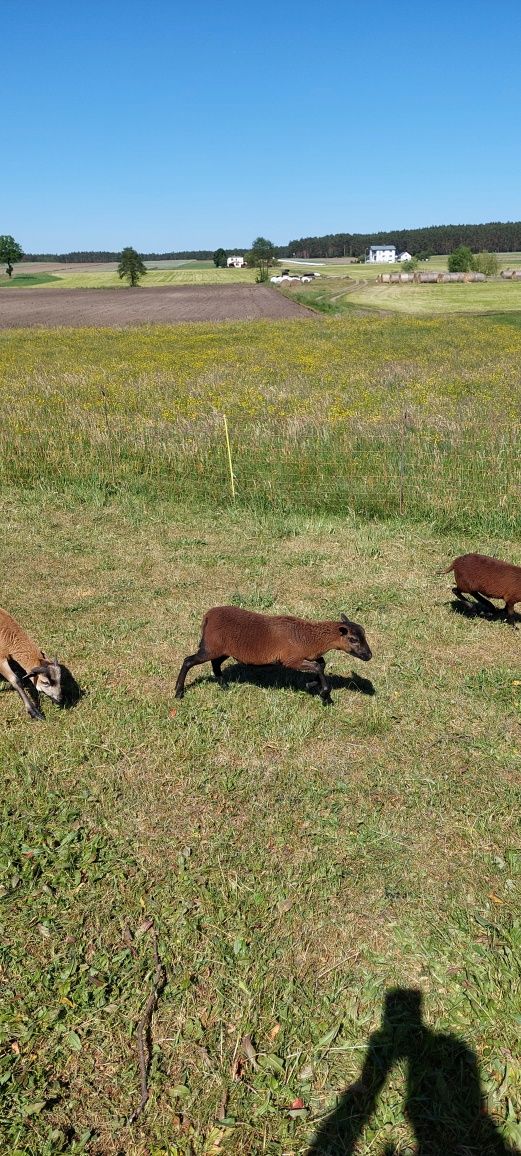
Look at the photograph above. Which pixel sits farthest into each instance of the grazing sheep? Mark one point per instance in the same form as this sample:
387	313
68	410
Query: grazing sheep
479	575
261	639
21	661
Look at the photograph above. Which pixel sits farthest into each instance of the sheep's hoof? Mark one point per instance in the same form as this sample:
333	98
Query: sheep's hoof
179	694
36	715
326	699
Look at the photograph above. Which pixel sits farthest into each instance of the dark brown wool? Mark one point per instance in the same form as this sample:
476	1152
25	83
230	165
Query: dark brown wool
485	577
261	639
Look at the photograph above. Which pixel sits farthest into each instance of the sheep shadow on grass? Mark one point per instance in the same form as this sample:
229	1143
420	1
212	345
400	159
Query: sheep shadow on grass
280	677
469	609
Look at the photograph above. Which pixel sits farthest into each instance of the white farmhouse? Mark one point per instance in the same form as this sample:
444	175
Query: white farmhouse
382	254
405	256
235	262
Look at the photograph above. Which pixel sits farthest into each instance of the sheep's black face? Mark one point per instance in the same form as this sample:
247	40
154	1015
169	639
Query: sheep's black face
354	640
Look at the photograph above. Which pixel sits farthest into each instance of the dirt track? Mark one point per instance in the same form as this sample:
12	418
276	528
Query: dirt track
166	305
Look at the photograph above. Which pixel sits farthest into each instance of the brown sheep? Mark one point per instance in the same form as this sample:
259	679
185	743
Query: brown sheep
479	575
261	640
21	661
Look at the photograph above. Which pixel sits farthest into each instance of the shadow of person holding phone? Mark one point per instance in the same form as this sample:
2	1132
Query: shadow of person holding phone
444	1101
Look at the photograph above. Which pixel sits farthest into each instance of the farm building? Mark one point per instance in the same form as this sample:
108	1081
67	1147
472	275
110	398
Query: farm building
381	253
235	262
405	256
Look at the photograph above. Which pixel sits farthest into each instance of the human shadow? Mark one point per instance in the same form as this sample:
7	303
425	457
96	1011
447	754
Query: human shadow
444	1101
279	676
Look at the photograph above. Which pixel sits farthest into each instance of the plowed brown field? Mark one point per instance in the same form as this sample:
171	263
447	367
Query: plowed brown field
166	305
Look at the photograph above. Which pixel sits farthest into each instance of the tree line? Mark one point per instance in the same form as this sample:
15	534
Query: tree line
84	255
495	236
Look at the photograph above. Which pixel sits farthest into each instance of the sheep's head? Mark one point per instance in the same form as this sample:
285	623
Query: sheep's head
352	639
48	676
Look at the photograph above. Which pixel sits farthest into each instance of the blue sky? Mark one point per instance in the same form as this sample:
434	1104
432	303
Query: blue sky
174	125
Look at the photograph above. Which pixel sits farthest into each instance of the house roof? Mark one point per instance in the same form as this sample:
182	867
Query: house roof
382	246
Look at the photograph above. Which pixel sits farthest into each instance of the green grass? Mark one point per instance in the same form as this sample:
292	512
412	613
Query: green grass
364	414
482	297
27	280
297	862
195	273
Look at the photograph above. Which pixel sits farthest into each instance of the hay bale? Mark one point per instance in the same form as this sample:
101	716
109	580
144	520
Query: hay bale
507	273
426	278
384	278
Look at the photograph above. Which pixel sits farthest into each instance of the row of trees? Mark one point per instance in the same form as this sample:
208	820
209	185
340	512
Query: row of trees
496	236
436	239
84	256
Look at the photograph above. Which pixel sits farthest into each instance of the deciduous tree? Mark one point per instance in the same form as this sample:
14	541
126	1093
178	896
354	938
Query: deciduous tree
262	254
131	266
10	251
487	263
461	260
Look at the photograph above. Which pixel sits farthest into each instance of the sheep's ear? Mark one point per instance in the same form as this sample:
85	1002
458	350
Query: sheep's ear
344	619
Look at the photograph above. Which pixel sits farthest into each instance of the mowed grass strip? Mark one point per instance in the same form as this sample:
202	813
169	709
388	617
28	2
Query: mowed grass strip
492	296
109	279
297	861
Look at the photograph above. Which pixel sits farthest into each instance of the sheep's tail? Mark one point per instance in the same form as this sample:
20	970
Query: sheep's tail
438	573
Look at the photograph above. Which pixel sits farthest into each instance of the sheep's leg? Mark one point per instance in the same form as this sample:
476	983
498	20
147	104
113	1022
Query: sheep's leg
314	682
15	681
459	594
483	601
314	667
511	618
190	660
216	667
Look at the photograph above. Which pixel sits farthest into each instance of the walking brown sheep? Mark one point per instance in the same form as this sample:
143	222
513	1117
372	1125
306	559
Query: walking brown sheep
485	578
261	640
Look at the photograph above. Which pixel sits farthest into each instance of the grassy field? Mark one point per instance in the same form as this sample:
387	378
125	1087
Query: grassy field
394	413
27	279
486	297
334	297
189	273
296	862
